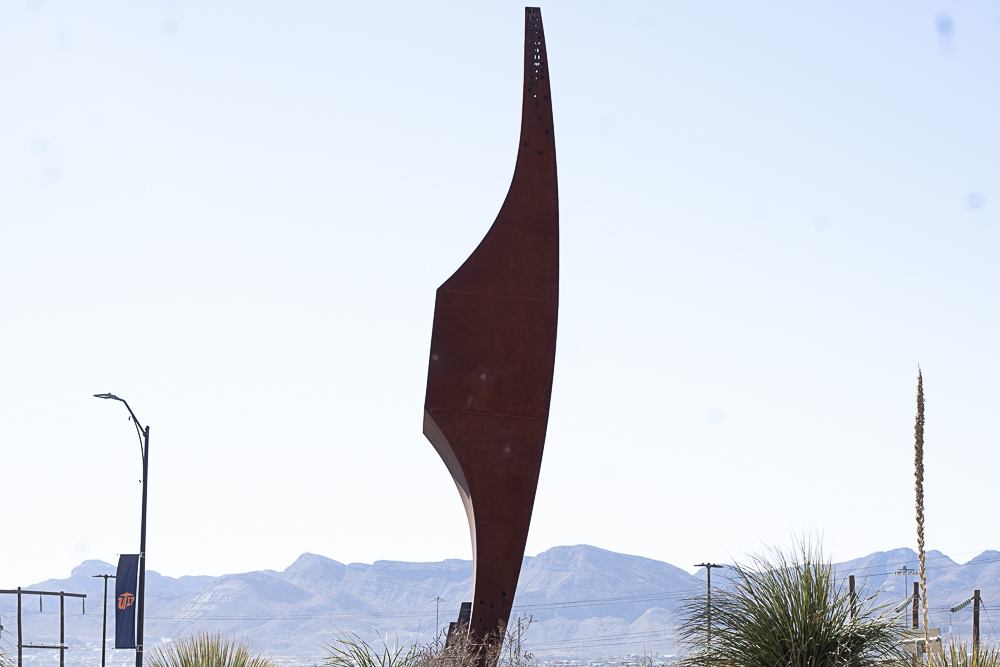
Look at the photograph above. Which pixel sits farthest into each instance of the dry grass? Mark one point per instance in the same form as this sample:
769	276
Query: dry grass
957	654
501	649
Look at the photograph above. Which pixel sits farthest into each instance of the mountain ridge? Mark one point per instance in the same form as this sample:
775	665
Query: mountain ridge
585	601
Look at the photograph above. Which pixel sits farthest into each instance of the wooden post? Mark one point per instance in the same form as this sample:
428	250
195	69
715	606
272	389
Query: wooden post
708	567
975	627
62	630
20	661
104	627
709	634
916	605
854	599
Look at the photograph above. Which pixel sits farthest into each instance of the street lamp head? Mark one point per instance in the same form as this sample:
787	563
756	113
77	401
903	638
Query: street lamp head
138	426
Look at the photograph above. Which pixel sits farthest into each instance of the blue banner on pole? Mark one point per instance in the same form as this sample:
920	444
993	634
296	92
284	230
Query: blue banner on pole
125	583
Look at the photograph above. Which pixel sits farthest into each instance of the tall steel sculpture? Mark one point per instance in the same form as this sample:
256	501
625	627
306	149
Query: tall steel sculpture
493	351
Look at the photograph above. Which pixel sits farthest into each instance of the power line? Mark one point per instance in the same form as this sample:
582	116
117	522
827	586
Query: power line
940	567
542	606
989	620
412	613
635	635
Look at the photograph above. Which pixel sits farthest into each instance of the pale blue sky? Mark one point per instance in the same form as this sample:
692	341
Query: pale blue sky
235	215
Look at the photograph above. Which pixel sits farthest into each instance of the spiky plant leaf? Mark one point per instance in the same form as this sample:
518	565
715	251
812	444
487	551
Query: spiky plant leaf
353	651
957	654
209	649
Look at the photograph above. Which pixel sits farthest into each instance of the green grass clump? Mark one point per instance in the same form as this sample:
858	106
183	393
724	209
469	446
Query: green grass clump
209	649
787	612
353	651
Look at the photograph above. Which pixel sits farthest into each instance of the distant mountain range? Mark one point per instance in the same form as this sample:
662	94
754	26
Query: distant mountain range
584	602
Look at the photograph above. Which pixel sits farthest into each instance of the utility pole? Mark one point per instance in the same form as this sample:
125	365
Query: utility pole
62	622
854	600
20	639
708	633
104	629
62	628
905	573
437	617
975	627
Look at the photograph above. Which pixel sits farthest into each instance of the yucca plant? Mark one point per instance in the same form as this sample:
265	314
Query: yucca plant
209	649
353	651
958	654
787	612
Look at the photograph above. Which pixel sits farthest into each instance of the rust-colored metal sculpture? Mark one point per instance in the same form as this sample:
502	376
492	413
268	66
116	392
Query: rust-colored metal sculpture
493	351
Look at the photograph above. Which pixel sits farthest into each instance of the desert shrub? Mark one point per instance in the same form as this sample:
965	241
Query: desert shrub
461	650
778	611
958	654
209	649
503	649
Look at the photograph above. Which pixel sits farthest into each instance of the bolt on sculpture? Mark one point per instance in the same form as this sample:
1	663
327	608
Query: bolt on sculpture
493	351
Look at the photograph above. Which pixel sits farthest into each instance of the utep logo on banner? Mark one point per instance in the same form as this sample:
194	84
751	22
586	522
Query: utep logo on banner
125	583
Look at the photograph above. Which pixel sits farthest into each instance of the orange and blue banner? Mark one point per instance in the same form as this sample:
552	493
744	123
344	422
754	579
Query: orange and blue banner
125	583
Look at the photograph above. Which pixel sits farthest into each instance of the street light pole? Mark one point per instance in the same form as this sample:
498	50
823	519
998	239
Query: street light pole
140	612
709	566
104	630
141	601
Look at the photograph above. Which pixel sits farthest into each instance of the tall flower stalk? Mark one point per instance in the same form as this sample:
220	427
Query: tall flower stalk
918	433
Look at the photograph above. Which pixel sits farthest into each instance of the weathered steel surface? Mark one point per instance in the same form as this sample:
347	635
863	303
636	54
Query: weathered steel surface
493	350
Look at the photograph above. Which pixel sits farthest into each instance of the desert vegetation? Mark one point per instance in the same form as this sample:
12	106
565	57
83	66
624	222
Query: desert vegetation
503	649
958	654
351	650
209	649
788	611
